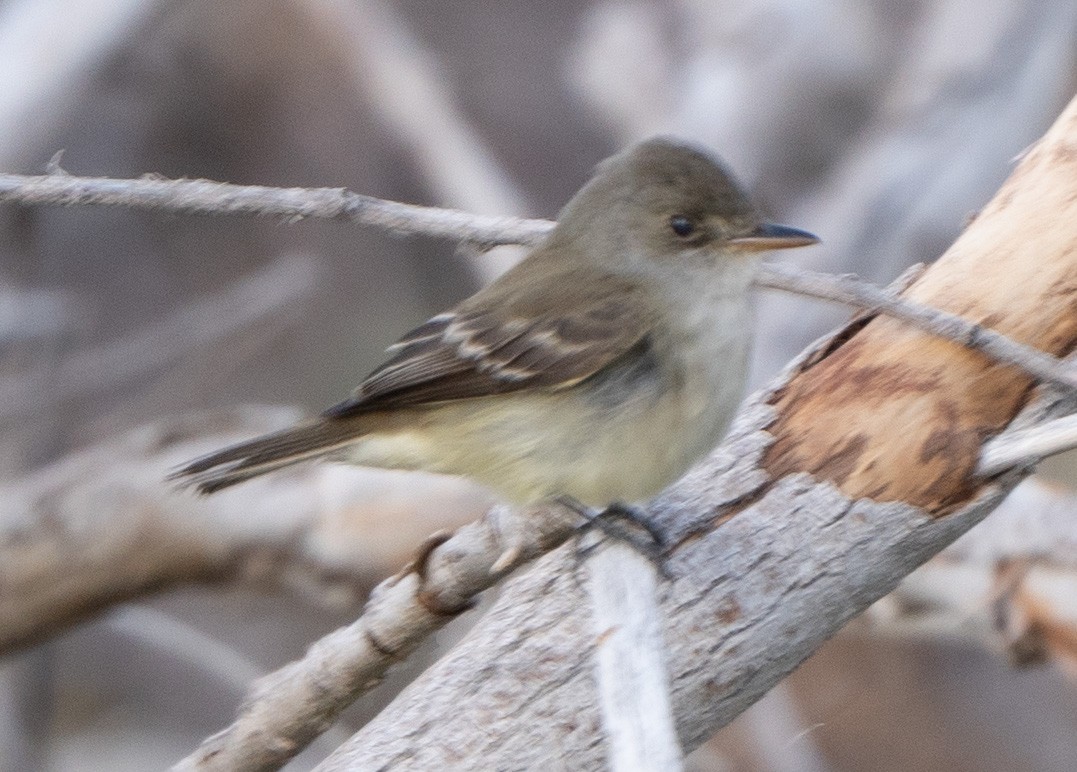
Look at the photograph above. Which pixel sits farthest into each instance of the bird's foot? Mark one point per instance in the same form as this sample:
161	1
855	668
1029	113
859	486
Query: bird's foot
624	523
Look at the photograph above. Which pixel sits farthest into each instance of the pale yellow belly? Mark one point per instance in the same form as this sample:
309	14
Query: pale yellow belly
624	442
529	447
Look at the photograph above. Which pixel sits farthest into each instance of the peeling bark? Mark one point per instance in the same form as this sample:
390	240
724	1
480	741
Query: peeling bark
1013	270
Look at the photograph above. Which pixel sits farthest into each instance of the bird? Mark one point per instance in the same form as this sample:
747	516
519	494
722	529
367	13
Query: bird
597	370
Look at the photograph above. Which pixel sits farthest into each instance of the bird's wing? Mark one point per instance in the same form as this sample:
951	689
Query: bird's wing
509	344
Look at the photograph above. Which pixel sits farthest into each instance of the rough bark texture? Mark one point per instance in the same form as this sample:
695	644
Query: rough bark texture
879	412
748	602
287	709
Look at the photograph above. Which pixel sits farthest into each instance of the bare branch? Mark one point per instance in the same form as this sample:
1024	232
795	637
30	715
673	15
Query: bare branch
287	709
630	662
206	197
851	291
1025	447
855	467
272	292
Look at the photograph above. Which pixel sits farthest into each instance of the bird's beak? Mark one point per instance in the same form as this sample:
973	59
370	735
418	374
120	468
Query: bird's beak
771	236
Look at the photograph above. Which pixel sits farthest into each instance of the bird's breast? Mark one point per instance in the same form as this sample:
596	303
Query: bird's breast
710	347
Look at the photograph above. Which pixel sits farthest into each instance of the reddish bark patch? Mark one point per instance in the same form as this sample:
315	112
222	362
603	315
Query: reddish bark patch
892	414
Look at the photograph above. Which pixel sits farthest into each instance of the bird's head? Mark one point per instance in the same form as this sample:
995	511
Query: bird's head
665	199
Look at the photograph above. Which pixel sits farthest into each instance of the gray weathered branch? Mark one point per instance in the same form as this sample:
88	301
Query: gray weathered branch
630	662
290	707
219	198
102	526
1028	446
856	466
768	586
206	197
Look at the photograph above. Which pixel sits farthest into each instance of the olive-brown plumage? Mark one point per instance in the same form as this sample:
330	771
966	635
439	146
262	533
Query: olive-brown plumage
599	368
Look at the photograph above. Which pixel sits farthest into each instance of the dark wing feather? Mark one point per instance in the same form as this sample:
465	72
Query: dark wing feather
521	342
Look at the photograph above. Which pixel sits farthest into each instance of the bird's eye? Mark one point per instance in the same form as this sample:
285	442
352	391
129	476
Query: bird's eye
682	226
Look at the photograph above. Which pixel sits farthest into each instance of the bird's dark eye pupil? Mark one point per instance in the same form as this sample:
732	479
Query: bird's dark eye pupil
681	225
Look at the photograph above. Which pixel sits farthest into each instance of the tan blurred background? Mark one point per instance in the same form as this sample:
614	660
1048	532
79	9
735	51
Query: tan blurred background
879	125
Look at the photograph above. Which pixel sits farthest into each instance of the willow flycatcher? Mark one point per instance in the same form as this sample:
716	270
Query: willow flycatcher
598	369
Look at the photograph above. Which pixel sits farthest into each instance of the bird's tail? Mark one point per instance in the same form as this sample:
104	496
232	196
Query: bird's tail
241	462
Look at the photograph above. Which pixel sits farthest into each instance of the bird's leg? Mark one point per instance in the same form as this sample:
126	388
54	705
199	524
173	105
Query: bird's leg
624	523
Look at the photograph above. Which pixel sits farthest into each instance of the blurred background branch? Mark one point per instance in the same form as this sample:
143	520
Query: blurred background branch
257	306
101	526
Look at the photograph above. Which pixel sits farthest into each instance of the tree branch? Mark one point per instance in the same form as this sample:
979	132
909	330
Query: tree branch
288	708
205	197
858	465
852	291
1026	447
219	198
630	662
100	526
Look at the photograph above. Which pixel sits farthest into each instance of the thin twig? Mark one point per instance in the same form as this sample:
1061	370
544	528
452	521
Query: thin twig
1025	447
207	197
270	292
287	709
852	291
220	198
